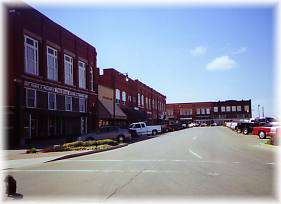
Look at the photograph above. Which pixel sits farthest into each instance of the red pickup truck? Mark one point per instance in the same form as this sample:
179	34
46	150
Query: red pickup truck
264	131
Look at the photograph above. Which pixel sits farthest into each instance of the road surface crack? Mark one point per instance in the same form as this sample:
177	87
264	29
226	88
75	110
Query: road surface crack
124	185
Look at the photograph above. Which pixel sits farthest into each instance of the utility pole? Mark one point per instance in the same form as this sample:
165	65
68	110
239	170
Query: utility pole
259	110
263	112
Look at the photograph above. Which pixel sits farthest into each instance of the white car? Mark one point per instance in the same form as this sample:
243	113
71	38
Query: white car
142	129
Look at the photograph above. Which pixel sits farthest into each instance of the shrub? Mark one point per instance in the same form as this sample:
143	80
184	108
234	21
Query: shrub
32	150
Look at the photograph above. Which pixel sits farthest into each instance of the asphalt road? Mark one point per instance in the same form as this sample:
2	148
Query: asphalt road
195	163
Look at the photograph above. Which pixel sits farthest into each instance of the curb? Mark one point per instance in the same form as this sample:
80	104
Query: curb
86	153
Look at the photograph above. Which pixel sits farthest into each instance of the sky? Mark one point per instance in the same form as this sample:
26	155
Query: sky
190	54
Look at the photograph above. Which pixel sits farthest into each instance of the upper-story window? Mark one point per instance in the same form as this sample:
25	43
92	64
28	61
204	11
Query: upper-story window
82	74
31	98
31	55
142	100
238	108
139	100
52	63
68	103
124	97
91	79
52	101
117	93
152	103
216	109
233	108
68	70
246	108
207	110
223	109
227	108
202	111
149	103
198	111
82	105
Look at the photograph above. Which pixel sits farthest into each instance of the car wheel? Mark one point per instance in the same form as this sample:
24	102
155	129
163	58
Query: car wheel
121	138
262	135
154	132
245	131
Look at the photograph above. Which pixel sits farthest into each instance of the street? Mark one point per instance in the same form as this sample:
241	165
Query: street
196	163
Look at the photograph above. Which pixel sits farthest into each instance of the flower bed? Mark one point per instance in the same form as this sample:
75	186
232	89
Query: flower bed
80	145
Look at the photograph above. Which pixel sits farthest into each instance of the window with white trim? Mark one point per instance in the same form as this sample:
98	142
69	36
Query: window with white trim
202	111
31	98
227	108
82	74
139	100
246	108
207	110
52	63
233	108
124	97
216	109
91	79
198	111
223	109
68	70
142	100
238	108
31	55
68	103
52	101
82	105
117	95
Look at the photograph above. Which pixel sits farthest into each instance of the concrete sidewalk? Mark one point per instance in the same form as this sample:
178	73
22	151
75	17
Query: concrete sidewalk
19	158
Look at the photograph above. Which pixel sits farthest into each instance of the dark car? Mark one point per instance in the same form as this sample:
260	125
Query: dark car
246	127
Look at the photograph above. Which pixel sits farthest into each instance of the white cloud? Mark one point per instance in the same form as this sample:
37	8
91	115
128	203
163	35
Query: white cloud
221	63
198	51
240	50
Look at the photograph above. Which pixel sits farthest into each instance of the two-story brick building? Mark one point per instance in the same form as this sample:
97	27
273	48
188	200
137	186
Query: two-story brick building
52	78
209	112
138	101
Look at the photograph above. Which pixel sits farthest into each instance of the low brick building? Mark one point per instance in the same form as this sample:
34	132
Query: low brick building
209	112
52	79
138	101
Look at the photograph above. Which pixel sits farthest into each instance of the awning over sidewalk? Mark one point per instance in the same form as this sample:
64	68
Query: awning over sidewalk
105	110
135	115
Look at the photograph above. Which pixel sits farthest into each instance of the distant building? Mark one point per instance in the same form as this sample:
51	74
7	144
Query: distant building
208	112
52	79
138	101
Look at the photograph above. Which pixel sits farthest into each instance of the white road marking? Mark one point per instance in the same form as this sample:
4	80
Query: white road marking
236	162
213	174
271	163
195	154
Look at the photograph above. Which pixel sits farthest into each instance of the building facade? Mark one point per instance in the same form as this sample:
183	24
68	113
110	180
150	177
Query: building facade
52	79
138	101
210	112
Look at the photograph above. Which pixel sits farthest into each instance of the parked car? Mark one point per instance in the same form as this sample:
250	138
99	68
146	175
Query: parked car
214	124
203	124
264	131
142	129
233	125
107	132
246	127
190	125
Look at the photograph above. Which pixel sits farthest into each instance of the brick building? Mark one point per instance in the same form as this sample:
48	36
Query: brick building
209	112
52	78
138	101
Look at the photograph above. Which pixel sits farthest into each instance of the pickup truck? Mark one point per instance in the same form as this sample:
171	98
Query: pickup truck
141	128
